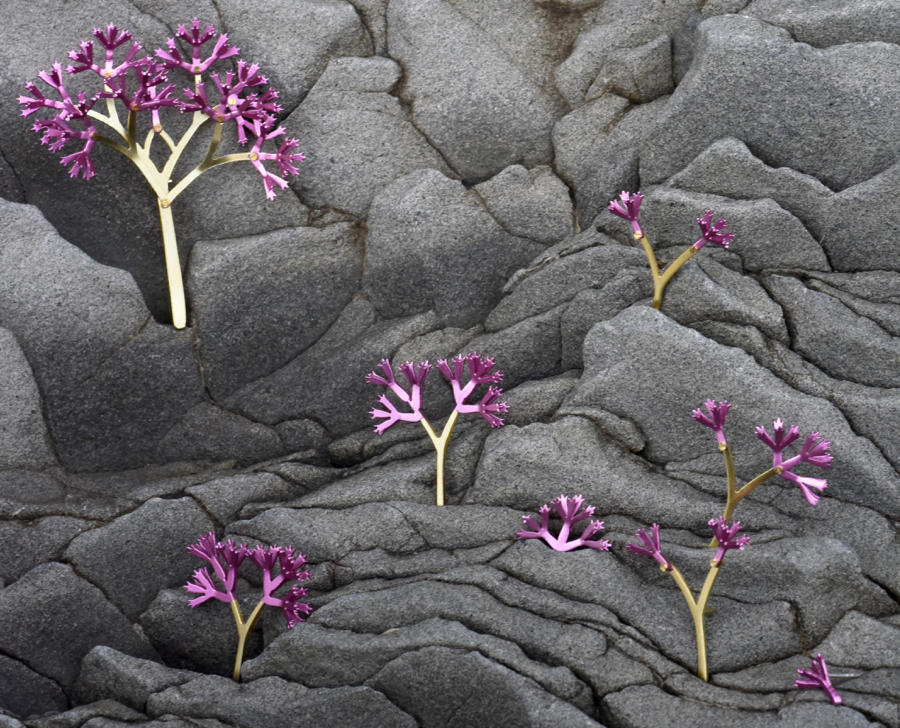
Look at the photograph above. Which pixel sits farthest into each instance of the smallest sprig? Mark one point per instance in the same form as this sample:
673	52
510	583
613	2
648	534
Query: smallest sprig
569	510
628	207
816	678
225	559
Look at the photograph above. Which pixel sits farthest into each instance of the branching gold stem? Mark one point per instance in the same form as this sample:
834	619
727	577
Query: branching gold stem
159	180
660	280
736	495
244	629
698	611
440	445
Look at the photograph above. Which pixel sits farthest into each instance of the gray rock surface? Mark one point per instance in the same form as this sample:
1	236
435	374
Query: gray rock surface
432	245
35	604
531	203
737	53
259	302
356	136
24	442
137	574
454	199
475	106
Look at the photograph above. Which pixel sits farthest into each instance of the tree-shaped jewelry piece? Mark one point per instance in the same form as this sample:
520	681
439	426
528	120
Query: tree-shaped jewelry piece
628	206
816	678
569	510
225	558
141	84
725	532
479	373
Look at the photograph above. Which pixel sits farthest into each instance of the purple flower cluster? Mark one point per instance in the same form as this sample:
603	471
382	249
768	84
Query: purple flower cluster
628	209
239	96
716	419
651	547
817	678
568	509
225	558
479	373
712	233
814	451
728	538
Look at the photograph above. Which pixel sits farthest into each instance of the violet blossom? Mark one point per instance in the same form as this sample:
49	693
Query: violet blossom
716	419
225	559
141	83
568	510
817	678
628	209
651	547
479	373
712	233
416	377
814	451
725	535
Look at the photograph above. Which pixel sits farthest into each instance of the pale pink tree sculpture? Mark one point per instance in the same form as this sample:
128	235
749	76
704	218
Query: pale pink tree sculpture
225	559
480	372
140	83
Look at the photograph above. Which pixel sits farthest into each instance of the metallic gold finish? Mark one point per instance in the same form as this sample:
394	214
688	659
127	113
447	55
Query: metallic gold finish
243	628
661	280
440	445
160	179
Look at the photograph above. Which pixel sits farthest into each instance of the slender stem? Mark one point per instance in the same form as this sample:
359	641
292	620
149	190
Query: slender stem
736	496
651	257
731	481
173	265
440	445
698	612
244	629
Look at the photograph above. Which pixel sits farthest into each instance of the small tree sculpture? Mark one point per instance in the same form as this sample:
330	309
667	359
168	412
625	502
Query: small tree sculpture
141	84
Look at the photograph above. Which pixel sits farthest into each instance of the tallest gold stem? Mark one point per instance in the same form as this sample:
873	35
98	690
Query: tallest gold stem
173	265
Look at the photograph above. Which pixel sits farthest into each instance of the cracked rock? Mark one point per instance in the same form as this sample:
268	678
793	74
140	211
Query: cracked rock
356	136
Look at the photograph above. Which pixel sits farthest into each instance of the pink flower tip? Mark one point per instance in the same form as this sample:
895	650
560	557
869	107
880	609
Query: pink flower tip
716	418
569	509
817	678
627	207
713	232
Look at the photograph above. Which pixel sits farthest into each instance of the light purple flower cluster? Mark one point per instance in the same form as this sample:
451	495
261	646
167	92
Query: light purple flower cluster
728	538
712	233
479	373
813	451
225	558
628	209
239	97
726	535
817	678
568	510
651	547
716	419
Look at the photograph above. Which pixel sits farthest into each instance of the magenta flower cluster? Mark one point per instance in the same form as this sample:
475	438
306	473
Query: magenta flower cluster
569	510
628	209
141	83
817	678
814	451
479	373
226	558
712	232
